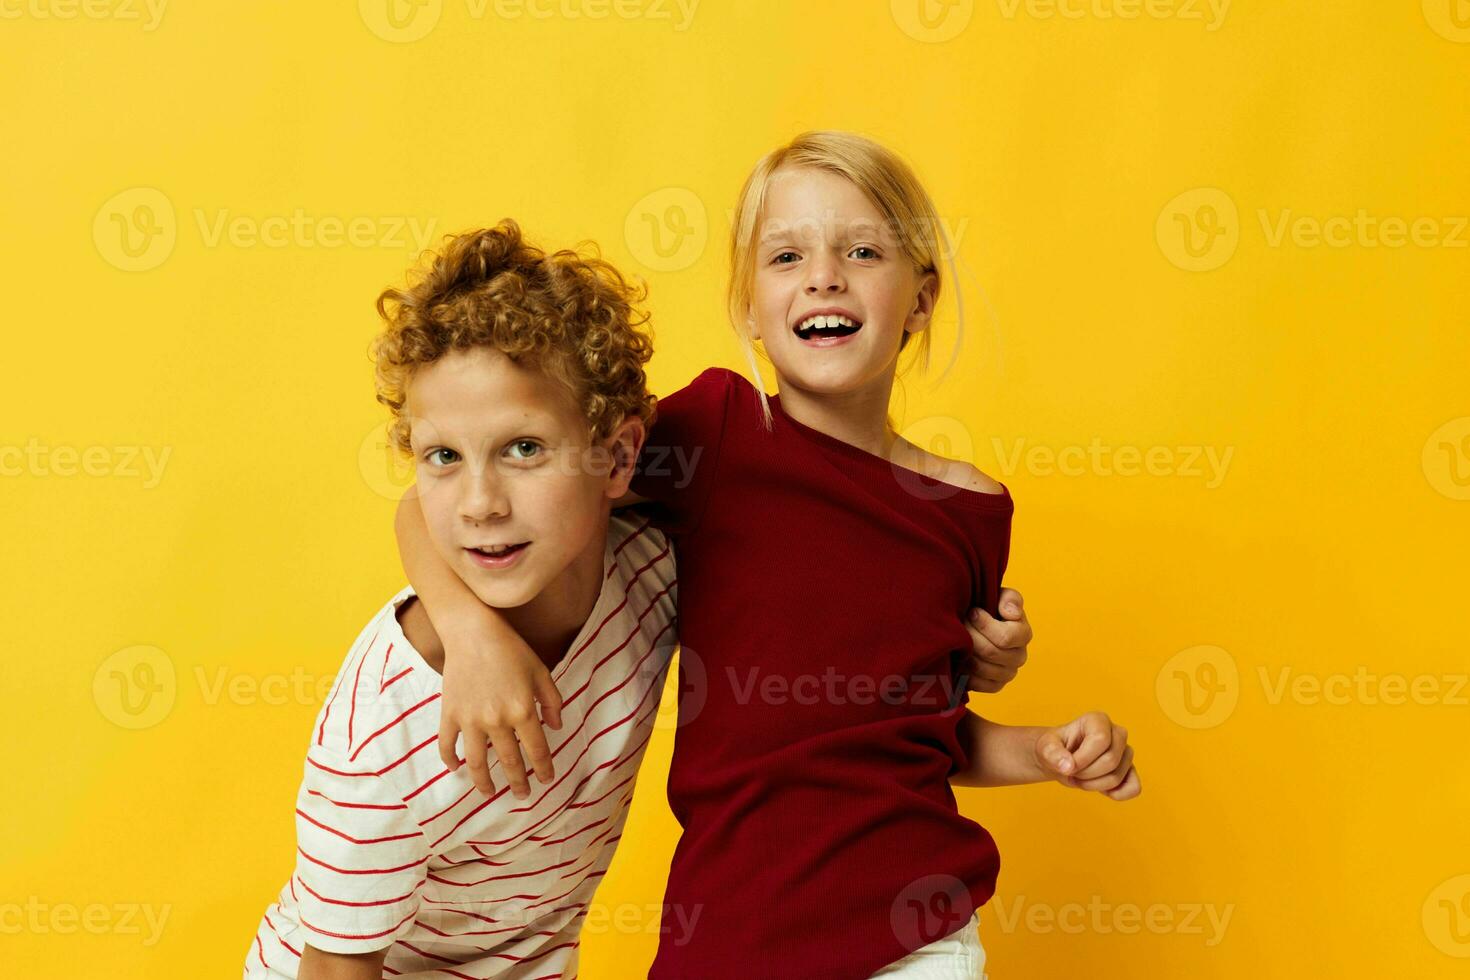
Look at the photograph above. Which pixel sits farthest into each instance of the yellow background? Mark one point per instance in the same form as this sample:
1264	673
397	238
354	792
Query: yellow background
1070	154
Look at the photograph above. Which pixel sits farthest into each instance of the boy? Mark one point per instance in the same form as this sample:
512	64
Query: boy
516	381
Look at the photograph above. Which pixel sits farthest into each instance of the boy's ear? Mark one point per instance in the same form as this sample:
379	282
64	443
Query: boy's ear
623	446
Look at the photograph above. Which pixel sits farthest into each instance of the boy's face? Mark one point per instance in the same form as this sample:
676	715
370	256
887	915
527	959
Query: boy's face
503	456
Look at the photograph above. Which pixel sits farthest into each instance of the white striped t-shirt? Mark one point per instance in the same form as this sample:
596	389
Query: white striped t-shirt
395	850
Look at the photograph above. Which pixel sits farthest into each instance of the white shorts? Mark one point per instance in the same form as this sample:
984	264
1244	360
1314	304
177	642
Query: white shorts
958	956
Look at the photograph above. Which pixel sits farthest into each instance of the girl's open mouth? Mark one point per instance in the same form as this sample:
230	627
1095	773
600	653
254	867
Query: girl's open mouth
826	331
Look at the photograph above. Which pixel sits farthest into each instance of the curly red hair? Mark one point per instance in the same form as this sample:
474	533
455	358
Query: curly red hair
570	314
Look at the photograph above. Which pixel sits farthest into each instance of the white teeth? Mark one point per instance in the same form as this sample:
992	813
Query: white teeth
826	322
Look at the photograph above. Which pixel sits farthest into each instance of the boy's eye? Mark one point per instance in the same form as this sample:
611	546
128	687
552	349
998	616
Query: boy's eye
524	449
437	456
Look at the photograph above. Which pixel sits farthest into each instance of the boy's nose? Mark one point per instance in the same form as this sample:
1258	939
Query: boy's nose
484	498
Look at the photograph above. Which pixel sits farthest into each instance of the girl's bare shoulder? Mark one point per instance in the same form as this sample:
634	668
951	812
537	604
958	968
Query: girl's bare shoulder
956	472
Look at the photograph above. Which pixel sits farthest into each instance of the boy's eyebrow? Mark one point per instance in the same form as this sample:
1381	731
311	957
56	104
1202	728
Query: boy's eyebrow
536	422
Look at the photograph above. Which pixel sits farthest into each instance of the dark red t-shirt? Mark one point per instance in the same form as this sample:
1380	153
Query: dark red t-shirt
821	596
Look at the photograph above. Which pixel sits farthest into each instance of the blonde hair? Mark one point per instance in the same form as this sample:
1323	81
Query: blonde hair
888	182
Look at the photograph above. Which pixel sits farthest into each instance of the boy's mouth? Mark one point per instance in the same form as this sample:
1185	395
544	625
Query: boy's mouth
497	555
827	326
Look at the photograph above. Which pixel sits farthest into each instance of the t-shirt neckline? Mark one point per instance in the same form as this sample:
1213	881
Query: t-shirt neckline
939	489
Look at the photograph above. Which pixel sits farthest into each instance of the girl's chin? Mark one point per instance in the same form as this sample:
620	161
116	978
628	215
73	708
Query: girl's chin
827	377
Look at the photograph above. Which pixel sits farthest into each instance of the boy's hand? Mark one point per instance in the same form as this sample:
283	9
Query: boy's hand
999	644
1090	753
491	696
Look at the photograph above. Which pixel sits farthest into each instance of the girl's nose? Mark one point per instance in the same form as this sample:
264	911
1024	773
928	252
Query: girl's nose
823	275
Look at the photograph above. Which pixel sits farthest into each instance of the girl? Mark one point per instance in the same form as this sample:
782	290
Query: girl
826	565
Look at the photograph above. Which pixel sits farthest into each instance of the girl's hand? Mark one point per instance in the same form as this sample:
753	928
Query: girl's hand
491	691
999	644
1090	753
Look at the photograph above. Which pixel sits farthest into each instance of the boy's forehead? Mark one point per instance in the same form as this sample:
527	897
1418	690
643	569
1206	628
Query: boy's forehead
473	393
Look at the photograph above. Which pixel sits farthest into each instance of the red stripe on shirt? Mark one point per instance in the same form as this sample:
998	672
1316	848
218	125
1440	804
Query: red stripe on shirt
356	806
346	935
348	837
358	871
367	741
321	729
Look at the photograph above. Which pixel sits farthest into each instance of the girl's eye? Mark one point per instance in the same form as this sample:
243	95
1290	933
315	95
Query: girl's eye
438	454
524	449
783	255
872	253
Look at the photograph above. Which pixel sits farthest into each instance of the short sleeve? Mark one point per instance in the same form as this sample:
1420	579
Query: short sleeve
677	467
361	859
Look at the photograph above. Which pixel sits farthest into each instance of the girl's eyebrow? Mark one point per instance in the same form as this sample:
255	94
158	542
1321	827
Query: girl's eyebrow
864	228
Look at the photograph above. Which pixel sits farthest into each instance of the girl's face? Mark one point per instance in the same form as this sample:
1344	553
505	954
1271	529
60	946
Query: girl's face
823	248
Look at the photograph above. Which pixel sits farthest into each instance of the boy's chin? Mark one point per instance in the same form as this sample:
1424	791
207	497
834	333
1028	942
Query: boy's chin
506	595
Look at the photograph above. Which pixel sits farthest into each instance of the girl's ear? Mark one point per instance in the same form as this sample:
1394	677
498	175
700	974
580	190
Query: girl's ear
750	325
922	312
623	447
